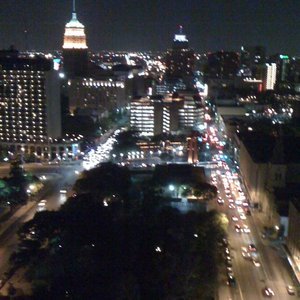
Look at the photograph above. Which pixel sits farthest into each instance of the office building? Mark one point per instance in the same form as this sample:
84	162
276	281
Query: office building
30	107
269	79
180	62
222	65
30	117
250	58
164	114
95	97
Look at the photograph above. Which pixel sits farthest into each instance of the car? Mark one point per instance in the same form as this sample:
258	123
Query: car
246	229
227	251
220	201
63	191
256	262
225	242
231	206
230	274
229	269
240	209
230	200
252	248
234	218
231	281
246	254
41	206
228	263
238	228
268	292
291	290
242	216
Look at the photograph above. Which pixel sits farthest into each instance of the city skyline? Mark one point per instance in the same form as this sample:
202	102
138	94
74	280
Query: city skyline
143	25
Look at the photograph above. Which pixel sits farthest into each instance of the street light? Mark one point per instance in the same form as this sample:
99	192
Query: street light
171	187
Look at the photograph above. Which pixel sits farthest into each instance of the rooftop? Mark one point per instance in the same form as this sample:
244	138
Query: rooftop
264	148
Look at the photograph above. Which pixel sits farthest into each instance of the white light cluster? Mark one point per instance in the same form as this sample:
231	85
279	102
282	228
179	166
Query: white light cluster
102	153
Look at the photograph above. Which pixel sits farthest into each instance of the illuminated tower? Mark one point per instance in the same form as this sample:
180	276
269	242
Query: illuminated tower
75	50
180	62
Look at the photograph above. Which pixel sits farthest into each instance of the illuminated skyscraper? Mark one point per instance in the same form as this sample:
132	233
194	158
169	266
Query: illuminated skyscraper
29	99
270	76
75	50
180	62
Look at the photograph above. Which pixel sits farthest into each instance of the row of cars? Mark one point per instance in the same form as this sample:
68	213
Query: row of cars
231	281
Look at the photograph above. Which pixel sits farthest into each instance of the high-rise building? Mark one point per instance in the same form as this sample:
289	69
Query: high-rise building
222	65
269	79
29	99
157	114
251	56
75	50
95	96
283	65
180	62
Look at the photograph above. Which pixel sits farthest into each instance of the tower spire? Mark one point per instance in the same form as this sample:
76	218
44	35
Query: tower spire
180	29
74	6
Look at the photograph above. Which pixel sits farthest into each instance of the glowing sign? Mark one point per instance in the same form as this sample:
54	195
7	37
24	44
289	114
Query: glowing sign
283	56
180	38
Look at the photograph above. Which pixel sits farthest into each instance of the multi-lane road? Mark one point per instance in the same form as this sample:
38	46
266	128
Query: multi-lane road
252	271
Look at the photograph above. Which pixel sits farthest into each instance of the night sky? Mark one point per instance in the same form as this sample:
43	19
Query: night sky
149	24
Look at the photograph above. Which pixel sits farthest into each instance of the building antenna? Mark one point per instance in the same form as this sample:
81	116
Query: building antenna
74	6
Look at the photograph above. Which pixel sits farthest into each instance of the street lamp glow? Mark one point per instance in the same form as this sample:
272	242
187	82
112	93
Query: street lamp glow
171	187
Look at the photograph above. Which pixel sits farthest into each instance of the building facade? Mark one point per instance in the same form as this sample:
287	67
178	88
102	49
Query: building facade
180	63
157	114
293	238
29	95
30	108
95	97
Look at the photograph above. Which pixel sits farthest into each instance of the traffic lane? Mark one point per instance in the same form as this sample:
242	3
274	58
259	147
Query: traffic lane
277	270
251	279
247	274
272	267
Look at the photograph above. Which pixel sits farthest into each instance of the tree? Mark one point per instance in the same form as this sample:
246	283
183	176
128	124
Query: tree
18	182
5	192
126	141
106	180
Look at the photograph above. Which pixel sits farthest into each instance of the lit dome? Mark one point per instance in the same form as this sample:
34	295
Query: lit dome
74	37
